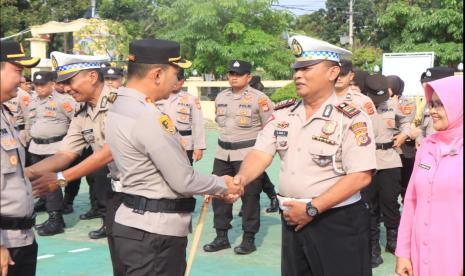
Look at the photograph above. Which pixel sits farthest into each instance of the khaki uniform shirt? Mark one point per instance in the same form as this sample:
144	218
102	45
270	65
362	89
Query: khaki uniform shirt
16	192
240	117
426	126
392	117
317	152
152	163
185	111
49	117
88	128
358	100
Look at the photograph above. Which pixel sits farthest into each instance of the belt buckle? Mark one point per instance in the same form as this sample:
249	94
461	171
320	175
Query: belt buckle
139	205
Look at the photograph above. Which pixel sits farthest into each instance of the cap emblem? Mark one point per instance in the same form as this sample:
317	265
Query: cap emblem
38	77
111	71
380	93
296	48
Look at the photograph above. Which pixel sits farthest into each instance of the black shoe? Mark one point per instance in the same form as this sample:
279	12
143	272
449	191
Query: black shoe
91	214
68	208
219	243
247	245
39	206
54	225
40	225
98	234
274	205
376	259
391	240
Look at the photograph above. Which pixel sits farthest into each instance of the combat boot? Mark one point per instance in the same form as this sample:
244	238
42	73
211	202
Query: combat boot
274	205
91	214
54	225
99	233
247	245
391	240
376	259
39	206
219	243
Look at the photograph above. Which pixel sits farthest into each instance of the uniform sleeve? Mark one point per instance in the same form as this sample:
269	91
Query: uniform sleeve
167	154
358	146
265	108
405	114
74	140
198	129
266	139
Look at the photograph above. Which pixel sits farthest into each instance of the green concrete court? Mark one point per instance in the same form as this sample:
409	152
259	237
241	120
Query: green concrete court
73	253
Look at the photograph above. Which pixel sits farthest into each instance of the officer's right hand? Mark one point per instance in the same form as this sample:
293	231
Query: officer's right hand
5	260
45	183
233	187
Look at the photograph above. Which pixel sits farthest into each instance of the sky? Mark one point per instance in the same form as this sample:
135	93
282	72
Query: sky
299	7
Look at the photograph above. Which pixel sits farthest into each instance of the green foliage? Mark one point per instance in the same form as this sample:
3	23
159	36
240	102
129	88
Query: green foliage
286	92
365	58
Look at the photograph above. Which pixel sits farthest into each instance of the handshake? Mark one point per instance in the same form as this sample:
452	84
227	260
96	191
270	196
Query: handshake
235	187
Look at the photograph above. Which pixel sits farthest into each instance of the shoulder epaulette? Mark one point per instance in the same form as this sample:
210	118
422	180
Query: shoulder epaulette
347	109
7	109
285	103
112	97
84	107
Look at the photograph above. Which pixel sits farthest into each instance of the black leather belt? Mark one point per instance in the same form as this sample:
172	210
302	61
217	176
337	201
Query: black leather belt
48	140
185	132
384	146
410	142
236	145
11	223
20	127
140	204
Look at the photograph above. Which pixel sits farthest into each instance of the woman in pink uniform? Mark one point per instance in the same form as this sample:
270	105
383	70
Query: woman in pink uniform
430	239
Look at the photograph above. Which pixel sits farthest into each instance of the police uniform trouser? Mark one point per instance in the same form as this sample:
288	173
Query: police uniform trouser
114	201
101	187
335	243
382	195
406	173
144	253
53	200
250	200
25	259
268	187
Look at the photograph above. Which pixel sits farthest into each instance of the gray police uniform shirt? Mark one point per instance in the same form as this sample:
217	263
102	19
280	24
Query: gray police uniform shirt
391	119
152	163
185	111
358	100
240	117
48	118
16	191
317	152
426	126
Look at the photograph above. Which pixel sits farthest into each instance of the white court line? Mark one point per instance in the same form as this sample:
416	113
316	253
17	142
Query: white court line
45	256
79	250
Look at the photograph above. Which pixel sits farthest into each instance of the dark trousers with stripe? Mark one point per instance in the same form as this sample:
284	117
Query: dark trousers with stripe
333	244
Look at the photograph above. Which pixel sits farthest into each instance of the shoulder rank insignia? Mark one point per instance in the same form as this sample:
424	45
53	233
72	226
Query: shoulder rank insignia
347	109
285	103
112	97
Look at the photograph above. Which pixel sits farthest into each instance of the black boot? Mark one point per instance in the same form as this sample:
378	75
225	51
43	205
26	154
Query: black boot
391	240
247	245
39	206
40	225
376	259
67	205
219	243
99	233
54	225
274	205
91	214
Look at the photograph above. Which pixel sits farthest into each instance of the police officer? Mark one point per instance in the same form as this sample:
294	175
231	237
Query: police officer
241	112
18	248
392	125
83	80
345	93
357	84
185	110
157	179
113	76
320	141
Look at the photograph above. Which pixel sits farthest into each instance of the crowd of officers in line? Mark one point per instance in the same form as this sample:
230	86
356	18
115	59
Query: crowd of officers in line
145	195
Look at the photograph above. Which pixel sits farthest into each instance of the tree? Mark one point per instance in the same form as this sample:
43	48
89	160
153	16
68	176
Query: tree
286	92
218	31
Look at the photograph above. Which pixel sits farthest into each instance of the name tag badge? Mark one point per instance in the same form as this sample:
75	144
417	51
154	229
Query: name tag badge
424	166
280	133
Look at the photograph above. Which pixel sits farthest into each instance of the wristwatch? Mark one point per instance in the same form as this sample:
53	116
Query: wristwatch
312	211
61	180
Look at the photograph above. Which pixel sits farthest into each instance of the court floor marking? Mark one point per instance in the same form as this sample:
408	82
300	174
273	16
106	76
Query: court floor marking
46	256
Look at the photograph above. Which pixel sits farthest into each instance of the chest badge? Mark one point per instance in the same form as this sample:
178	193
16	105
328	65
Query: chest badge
327	130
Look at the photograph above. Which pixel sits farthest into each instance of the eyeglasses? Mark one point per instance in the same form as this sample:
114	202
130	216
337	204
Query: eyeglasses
435	104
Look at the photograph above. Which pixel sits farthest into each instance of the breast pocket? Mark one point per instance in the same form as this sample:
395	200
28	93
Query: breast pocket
244	117
9	155
389	119
183	115
323	154
220	116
